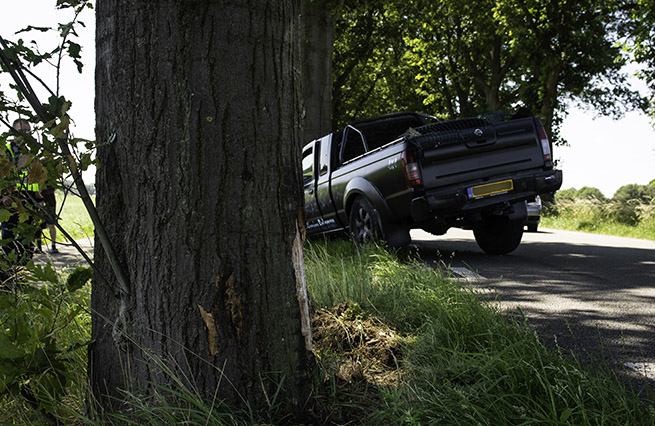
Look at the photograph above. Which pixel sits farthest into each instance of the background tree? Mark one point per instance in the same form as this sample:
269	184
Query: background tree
628	192
570	52
590	193
566	194
318	40
461	57
369	47
649	191
638	26
641	193
197	108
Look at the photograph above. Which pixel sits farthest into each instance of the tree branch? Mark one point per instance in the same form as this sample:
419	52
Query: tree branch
24	87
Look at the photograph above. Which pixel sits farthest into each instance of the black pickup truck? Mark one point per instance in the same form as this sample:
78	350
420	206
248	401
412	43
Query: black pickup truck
380	177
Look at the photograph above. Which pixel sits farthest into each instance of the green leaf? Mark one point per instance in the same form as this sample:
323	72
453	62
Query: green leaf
33	28
45	273
80	276
74	49
4	215
79	65
62	4
53	110
7	301
85	161
7	349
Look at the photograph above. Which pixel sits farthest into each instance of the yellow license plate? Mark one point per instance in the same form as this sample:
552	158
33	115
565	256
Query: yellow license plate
488	189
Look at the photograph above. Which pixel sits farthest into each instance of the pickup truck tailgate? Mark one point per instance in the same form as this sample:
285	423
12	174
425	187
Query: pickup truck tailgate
469	149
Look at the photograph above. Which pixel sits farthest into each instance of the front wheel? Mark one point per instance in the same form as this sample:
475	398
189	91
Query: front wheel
498	234
364	222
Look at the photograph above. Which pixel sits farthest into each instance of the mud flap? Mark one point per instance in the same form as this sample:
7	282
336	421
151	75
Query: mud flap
396	235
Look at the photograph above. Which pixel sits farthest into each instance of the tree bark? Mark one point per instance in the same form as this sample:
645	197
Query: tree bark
549	97
318	41
197	111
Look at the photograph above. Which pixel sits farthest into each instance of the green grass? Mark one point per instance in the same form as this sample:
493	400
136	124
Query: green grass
44	318
463	362
53	327
74	218
631	219
642	231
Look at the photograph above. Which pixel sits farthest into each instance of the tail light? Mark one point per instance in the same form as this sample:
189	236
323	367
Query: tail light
545	144
411	168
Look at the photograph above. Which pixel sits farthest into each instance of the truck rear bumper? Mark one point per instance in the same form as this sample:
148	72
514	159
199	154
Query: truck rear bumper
457	200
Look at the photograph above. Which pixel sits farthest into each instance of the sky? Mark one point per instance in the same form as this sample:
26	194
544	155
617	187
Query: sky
78	88
606	153
602	152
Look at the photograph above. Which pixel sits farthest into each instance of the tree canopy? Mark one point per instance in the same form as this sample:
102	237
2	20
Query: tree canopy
637	25
455	58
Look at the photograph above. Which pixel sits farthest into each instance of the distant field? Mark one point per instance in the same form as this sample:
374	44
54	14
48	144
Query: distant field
74	218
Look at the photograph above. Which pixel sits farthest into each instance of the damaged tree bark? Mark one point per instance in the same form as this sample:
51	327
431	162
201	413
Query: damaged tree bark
197	110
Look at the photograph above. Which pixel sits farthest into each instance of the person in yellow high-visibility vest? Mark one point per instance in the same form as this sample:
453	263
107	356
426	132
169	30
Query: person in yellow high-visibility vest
16	237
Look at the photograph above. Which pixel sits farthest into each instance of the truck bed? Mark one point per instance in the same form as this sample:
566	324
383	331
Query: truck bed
469	149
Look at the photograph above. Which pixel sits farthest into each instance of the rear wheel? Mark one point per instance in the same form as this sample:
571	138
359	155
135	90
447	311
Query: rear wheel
498	234
364	222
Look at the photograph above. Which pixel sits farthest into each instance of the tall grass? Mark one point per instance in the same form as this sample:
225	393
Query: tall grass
626	219
62	319
464	363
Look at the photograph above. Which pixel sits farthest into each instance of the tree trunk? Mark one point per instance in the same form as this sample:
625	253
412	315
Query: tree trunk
550	96
197	111
318	27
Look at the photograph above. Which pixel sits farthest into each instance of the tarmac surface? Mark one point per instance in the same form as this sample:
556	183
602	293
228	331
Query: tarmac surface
68	255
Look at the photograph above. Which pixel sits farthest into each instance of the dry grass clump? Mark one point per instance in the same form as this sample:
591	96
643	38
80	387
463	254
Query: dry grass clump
356	347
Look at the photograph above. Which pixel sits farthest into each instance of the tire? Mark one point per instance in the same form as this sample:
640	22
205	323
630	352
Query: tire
364	221
498	234
532	228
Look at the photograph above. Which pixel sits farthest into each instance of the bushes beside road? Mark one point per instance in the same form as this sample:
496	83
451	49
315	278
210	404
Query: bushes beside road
630	213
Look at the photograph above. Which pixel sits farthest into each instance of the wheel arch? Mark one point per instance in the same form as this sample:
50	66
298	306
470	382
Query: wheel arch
394	231
361	187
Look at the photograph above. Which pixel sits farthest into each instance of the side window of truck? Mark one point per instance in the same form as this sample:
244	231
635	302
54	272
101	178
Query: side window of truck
324	157
353	144
308	165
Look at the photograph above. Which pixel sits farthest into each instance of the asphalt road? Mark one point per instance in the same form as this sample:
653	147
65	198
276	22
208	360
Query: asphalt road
68	256
592	295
